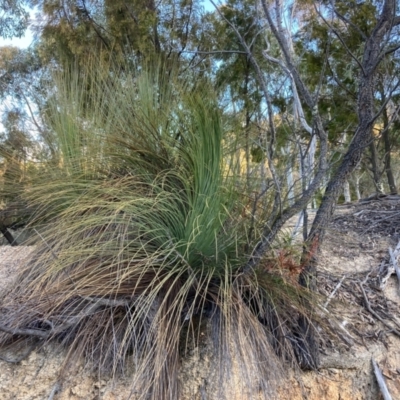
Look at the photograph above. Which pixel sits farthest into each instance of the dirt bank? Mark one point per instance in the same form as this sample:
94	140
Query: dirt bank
355	250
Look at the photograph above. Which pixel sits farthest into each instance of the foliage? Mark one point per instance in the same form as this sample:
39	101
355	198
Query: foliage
13	18
125	29
154	208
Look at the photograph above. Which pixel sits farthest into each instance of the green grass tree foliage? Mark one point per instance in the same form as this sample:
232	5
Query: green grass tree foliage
142	240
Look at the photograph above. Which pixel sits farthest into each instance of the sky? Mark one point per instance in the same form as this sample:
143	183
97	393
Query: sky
26	40
22	43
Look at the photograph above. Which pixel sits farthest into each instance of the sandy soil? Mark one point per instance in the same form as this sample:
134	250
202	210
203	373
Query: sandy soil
346	370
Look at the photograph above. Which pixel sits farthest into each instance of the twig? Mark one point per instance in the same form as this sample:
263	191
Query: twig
56	389
346	336
106	302
359	213
25	332
46	334
381	381
48	246
366	278
384	274
368	306
334	291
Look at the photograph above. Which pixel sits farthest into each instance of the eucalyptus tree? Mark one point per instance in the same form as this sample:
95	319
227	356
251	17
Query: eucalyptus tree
345	43
122	28
235	77
14	18
19	129
379	41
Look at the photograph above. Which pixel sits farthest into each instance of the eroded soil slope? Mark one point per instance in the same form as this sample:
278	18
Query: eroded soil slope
354	265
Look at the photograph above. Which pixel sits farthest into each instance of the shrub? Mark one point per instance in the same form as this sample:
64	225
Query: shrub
143	239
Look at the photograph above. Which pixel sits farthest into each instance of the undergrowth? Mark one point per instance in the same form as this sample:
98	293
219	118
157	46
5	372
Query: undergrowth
143	239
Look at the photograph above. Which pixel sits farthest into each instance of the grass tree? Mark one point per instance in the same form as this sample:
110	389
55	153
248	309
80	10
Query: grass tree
143	239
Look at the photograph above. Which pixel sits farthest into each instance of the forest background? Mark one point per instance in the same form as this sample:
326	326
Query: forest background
228	121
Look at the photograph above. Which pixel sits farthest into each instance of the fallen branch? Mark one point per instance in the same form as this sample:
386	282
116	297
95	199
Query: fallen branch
379	221
381	381
26	332
346	336
90	310
46	334
334	291
386	270
56	389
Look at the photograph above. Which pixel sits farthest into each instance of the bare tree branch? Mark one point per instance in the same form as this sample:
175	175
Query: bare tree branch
264	89
212	51
339	36
347	21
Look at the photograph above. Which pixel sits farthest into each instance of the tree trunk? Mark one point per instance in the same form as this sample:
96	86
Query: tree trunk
289	174
376	175
388	149
346	192
366	116
357	187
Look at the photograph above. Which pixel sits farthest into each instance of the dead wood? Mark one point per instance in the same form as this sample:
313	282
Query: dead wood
70	322
26	332
376	315
56	389
8	235
393	257
381	381
334	291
